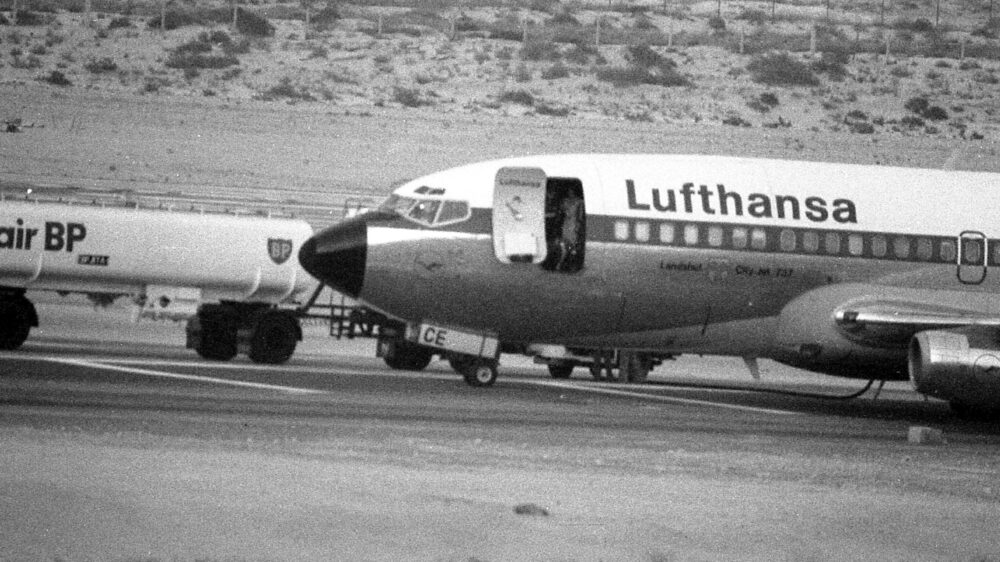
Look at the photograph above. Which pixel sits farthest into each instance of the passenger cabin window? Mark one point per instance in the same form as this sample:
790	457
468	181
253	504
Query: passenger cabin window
740	238
879	246
925	249
787	240
758	239
667	233
810	241
642	231
831	243
691	234
901	247
715	236
855	244
947	250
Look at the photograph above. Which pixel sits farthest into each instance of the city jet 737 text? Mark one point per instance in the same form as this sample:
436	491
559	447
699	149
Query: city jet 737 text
620	261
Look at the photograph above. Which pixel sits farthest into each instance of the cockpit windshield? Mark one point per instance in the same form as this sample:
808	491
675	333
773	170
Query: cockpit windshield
427	211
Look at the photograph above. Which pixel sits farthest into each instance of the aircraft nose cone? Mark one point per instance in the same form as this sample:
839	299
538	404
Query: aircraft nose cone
337	255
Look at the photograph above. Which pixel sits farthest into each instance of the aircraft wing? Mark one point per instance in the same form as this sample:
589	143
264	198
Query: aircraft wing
896	322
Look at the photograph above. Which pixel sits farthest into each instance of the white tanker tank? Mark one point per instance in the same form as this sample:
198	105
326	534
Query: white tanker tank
237	268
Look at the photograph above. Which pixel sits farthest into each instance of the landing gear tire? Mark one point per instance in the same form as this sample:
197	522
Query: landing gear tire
561	370
15	322
404	356
635	367
481	373
603	367
219	324
274	338
461	363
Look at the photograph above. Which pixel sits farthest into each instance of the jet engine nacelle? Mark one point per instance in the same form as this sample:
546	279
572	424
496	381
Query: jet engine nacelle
960	366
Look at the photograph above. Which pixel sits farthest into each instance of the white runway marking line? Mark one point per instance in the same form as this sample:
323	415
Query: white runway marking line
657	398
168	375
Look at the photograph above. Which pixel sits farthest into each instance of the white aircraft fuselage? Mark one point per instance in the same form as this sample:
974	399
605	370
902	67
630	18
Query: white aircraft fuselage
860	271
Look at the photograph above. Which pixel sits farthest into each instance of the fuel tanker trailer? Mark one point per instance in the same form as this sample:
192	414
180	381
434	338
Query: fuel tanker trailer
225	273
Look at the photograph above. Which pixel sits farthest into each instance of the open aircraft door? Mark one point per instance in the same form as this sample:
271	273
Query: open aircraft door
519	215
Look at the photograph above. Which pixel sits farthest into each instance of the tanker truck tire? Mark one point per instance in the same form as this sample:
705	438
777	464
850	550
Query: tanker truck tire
402	355
274	338
17	316
219	324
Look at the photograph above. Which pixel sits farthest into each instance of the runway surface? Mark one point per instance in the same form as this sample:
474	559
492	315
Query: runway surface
89	382
131	447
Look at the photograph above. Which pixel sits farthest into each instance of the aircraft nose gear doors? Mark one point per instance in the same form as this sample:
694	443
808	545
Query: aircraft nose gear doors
539	220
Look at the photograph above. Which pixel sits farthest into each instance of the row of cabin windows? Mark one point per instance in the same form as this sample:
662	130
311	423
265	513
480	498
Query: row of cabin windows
811	242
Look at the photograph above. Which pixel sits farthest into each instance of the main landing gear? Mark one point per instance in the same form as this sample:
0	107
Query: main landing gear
17	318
607	365
266	334
404	355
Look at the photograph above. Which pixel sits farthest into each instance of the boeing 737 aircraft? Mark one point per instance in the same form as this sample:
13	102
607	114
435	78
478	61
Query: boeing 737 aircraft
858	271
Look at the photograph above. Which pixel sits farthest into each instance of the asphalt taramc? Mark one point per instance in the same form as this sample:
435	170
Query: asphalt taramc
226	271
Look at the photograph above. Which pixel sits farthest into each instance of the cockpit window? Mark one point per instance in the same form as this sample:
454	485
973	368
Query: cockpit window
427	211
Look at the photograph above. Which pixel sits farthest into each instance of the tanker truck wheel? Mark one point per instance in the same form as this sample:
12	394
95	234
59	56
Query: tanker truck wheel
16	319
219	324
403	355
274	338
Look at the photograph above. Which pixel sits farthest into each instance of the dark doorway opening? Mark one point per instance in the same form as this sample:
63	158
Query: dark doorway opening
565	225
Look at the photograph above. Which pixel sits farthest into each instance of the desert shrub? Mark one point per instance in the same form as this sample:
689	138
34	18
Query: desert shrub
919	25
901	72
249	23
102	65
326	18
644	23
763	103
409	97
633	75
780	69
577	54
29	18
912	122
645	57
38	50
187	61
520	97
285	89
465	24
861	127
735	121
984	77
830	64
969	65
555	72
548	6
716	24
935	113
755	17
57	78
552	110
856	115
563	17
193	47
917	105
30	62
173	19
508	28
119	22
539	49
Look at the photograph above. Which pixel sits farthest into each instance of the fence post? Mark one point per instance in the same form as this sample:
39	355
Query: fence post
888	41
